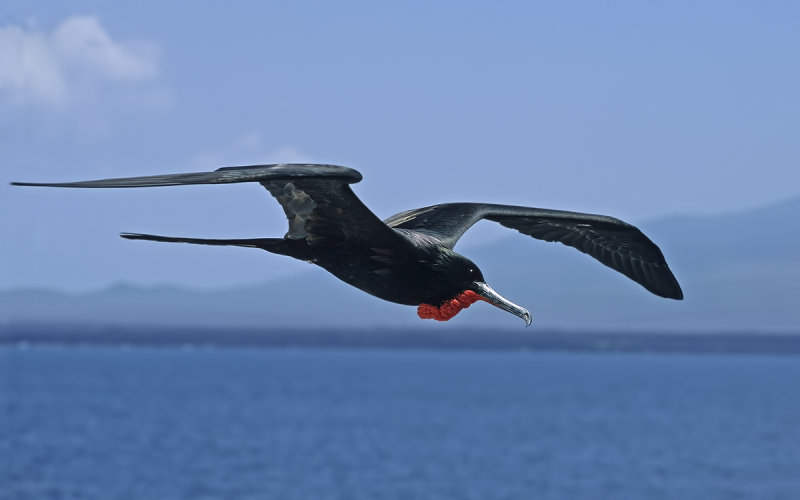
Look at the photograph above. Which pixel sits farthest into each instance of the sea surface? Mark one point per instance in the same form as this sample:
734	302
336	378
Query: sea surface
228	423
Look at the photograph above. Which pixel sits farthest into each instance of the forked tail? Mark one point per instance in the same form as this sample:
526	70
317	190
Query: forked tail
268	244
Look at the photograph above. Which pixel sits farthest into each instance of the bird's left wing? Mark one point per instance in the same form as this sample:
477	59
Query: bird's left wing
611	241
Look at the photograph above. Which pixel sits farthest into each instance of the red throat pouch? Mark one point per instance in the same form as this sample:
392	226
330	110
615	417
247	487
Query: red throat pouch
449	308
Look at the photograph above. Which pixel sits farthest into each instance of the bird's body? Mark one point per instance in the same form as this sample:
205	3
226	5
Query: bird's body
408	258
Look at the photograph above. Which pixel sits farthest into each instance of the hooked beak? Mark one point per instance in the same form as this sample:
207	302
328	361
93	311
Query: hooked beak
492	297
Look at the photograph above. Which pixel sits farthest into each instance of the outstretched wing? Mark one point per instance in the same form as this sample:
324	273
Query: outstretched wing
225	175
317	199
611	241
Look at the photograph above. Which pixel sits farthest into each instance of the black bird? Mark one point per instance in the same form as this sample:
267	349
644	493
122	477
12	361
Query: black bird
408	258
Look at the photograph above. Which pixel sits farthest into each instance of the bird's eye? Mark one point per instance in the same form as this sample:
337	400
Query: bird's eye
471	271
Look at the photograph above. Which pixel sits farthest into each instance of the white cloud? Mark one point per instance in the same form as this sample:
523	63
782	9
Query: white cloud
29	69
40	68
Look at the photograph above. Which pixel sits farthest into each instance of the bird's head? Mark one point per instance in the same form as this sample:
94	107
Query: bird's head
458	283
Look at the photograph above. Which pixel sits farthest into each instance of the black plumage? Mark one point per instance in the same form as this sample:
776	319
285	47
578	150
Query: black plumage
409	257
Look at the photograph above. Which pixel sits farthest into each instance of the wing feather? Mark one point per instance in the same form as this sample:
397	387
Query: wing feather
225	175
615	243
318	202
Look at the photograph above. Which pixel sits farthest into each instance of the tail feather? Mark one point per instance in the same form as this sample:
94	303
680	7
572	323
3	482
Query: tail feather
263	243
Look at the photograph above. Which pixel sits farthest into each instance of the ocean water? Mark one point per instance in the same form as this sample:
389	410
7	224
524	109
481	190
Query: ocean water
172	423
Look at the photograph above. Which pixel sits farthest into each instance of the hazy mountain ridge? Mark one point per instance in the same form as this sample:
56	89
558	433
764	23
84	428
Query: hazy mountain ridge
739	272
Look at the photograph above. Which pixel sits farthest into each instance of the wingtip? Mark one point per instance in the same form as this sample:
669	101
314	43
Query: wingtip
677	292
674	293
35	184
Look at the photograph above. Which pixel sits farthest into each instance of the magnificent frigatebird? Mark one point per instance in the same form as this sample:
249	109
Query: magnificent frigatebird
408	258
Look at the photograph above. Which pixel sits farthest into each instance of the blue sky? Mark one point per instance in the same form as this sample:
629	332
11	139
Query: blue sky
633	109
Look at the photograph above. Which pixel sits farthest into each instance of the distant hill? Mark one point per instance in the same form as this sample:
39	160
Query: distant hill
739	272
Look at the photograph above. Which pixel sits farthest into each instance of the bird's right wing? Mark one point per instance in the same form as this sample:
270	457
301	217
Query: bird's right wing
611	241
317	199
